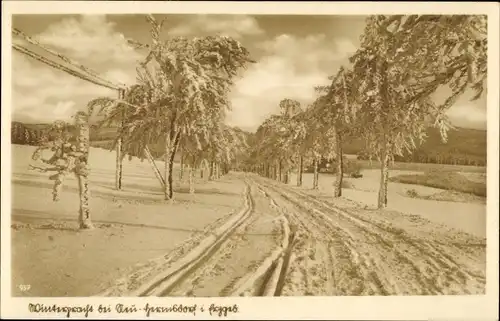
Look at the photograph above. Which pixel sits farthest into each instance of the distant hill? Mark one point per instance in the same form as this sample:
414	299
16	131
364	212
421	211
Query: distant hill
464	147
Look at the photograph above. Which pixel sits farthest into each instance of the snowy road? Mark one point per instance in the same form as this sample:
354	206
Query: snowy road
287	242
352	251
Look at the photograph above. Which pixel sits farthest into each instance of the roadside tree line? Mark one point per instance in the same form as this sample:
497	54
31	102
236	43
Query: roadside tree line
384	96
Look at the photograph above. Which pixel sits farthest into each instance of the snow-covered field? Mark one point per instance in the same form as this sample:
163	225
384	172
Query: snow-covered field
133	225
468	217
239	235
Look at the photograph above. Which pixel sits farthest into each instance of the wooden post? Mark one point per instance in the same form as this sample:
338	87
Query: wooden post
82	169
119	158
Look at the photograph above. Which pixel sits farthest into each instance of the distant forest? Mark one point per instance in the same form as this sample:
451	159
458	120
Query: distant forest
464	146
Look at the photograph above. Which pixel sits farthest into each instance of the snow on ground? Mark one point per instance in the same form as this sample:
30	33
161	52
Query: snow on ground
133	225
475	177
248	247
468	217
338	247
344	249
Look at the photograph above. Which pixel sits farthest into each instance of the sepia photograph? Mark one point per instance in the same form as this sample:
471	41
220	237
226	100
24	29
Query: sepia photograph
209	155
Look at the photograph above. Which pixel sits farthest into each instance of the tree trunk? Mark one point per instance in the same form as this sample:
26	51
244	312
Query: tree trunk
155	168
287	176
191	178
384	180
316	174
299	171
280	170
212	171
170	148
202	174
181	170
217	170
340	166
166	158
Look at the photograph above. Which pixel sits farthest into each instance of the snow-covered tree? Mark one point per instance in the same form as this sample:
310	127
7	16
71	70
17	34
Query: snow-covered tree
292	133
184	83
189	81
113	112
319	140
335	110
402	61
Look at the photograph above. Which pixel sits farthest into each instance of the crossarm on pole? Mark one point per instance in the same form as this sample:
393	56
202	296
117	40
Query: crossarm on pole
72	62
56	65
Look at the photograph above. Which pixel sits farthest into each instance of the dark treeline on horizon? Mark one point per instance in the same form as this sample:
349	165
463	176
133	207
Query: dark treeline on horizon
464	146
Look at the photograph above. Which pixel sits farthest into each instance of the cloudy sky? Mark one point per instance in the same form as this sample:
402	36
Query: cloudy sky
293	53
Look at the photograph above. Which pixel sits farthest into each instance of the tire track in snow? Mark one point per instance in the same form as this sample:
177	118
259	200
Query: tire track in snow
435	257
317	242
153	279
140	273
237	268
433	270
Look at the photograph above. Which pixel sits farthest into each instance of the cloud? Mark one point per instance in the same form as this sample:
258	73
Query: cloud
43	94
90	37
470	116
235	26
465	112
64	109
290	68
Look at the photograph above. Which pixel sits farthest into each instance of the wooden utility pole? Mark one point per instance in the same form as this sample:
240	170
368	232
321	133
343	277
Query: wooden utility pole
119	158
82	168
